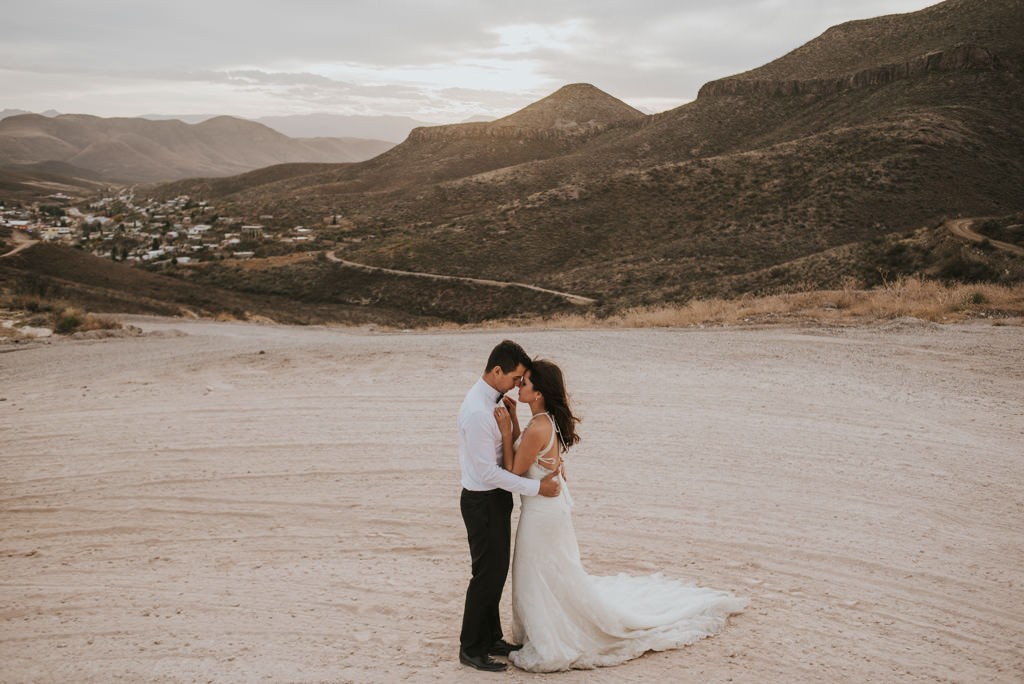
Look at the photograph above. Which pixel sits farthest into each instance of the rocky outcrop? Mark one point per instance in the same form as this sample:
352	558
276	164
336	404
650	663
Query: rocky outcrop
960	58
488	131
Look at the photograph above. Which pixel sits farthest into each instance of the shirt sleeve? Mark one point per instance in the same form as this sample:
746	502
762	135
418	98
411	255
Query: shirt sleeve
480	437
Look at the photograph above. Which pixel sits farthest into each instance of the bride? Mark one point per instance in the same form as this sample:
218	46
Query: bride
563	617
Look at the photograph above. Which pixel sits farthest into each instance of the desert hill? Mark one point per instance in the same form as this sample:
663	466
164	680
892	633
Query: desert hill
838	163
574	109
554	126
142	150
829	146
856	46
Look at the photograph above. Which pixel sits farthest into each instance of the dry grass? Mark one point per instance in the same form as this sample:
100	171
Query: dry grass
29	311
72	320
906	297
911	297
270	262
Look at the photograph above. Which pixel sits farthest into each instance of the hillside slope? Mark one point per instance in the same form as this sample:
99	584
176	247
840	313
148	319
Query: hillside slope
837	163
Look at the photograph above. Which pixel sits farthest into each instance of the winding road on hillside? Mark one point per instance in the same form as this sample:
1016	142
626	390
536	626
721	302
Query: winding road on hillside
964	229
571	298
20	241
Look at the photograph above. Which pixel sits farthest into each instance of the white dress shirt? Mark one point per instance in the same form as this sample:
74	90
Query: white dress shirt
480	446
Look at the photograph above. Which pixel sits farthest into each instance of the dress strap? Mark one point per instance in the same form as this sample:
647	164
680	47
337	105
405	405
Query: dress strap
551	441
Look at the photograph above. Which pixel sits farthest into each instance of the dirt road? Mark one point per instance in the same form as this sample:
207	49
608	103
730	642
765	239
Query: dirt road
20	242
964	229
571	298
247	503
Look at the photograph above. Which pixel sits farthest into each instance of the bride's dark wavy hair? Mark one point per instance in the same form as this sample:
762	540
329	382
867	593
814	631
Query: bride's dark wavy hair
547	379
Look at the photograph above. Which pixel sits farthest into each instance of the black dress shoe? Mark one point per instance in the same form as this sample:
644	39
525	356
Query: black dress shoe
481	662
503	648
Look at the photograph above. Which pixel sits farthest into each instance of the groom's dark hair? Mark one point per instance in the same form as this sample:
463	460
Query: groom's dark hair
508	355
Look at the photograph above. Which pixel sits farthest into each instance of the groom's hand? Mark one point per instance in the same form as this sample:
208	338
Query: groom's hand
549	486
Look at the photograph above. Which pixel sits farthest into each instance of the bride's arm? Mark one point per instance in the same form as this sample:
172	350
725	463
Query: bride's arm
534	439
509	431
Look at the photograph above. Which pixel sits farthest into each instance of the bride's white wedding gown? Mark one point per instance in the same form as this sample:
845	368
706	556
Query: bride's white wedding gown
567	619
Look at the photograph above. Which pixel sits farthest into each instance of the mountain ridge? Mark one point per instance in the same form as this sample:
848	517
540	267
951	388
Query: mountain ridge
863	44
788	171
748	188
142	150
959	58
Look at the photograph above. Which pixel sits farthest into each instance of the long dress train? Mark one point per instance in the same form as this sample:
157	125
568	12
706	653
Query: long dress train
567	619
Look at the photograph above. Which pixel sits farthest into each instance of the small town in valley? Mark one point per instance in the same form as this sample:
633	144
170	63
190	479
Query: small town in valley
150	232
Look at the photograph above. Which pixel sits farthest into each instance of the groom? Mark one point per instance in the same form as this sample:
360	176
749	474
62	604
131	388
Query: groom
487	505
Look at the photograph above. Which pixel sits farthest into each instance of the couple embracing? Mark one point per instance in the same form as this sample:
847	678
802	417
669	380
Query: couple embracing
562	618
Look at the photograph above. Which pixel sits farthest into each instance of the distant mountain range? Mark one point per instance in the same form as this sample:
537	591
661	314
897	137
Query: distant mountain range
138	150
120	151
392	129
4	113
324	125
835	164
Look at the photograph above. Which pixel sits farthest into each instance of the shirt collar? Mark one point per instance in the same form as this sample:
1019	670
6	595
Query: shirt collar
488	392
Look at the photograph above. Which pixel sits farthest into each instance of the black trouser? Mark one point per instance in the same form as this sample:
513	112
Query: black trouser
488	524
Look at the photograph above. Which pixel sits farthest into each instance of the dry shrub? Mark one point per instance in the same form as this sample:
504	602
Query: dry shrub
939	302
96	322
71	320
910	296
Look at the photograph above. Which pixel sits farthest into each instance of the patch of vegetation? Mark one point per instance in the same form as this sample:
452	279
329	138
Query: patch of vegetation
72	320
33	311
906	297
316	283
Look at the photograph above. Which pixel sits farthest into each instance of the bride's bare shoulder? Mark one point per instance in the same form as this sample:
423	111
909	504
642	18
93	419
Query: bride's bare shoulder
538	425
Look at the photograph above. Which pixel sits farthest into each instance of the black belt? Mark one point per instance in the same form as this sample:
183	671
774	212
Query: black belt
485	492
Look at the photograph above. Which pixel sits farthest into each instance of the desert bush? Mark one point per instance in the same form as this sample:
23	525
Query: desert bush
962	268
977	298
68	321
71	320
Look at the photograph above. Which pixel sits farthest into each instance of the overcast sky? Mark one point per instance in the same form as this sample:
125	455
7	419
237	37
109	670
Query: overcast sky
440	61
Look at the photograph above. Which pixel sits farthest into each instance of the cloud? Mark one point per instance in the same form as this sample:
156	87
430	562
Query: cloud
398	57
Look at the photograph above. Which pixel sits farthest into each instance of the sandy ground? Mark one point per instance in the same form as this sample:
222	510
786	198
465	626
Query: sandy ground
268	503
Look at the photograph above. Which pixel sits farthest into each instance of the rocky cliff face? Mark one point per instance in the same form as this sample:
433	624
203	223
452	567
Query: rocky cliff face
960	58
